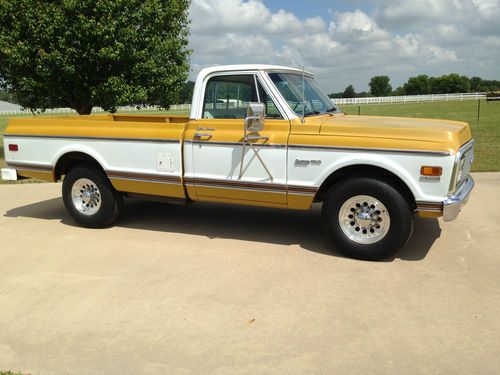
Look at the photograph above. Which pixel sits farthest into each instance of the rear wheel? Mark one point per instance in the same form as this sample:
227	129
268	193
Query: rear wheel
366	218
89	197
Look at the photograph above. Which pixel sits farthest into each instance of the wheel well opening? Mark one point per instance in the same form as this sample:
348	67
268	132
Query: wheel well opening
370	171
71	160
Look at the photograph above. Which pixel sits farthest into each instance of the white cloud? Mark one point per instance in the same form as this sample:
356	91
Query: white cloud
408	45
398	38
353	22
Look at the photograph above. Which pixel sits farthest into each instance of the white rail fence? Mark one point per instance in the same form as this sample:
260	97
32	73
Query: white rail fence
339	101
412	98
129	108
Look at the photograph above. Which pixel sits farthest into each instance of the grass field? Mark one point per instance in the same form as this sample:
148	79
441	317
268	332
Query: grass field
486	131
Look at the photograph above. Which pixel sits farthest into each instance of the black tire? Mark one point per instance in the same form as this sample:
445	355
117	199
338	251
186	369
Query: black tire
397	209
108	201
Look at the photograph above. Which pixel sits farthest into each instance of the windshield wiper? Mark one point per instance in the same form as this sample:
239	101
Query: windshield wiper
333	109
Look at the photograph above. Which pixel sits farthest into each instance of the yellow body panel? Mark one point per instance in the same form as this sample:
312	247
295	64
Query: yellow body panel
41	175
100	126
244	202
381	132
300	202
240	194
148	188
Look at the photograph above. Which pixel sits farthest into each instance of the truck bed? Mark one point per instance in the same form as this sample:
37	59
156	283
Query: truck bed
120	126
132	149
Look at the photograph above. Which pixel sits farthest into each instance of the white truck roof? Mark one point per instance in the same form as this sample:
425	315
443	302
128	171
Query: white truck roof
197	94
242	67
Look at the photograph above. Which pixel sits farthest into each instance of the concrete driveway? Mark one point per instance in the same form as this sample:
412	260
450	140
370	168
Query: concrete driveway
215	289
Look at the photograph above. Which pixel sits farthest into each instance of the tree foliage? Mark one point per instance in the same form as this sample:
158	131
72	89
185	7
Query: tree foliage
85	53
186	93
380	86
477	84
349	92
418	85
447	84
7	97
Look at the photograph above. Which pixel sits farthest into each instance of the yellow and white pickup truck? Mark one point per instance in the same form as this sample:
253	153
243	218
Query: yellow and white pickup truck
256	135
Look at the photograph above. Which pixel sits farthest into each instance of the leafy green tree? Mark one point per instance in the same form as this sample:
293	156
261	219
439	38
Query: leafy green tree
418	85
447	84
475	83
7	97
349	92
487	85
186	93
335	95
380	86
85	53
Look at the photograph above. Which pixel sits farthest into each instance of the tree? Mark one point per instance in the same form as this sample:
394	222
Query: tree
475	83
85	53
447	84
380	86
418	85
186	93
349	92
7	97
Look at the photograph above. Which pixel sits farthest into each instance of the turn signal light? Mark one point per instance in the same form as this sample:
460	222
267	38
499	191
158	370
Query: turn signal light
13	148
431	171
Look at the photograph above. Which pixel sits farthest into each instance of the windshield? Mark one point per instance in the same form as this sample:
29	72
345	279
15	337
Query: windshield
309	99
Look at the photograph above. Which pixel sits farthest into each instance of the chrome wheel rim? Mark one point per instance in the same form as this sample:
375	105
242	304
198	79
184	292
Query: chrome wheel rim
364	219
86	196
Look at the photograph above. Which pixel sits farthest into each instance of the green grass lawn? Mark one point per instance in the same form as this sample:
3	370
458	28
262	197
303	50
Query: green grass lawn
486	131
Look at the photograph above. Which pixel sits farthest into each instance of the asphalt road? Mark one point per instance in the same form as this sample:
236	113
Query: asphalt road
215	289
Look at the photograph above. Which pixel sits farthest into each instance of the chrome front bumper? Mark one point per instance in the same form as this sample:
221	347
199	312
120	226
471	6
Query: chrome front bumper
453	204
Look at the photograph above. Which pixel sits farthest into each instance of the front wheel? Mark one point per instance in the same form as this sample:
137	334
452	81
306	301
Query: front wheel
366	218
90	198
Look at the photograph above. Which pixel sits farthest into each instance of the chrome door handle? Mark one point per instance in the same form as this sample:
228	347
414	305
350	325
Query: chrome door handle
203	135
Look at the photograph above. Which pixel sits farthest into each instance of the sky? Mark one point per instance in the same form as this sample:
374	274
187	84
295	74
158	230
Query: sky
349	41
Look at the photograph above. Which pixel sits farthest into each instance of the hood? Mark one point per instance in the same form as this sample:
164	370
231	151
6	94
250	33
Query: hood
396	132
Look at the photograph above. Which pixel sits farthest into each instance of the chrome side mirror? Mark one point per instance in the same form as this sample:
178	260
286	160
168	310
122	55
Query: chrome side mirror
254	122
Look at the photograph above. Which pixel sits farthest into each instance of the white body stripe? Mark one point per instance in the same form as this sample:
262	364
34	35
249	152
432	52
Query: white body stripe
405	166
123	156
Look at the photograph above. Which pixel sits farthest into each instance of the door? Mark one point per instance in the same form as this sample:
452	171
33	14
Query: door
224	167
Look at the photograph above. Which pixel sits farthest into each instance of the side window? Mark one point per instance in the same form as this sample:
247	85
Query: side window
227	97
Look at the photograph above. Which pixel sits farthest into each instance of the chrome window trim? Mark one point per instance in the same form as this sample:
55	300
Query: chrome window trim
256	74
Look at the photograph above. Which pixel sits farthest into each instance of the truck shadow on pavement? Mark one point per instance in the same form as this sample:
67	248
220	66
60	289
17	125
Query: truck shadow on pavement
254	224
